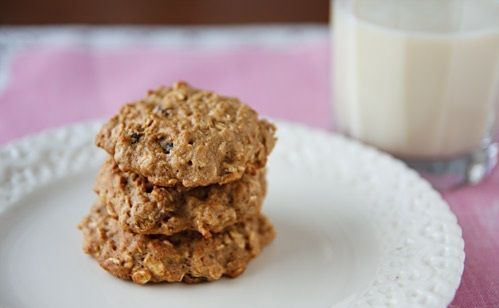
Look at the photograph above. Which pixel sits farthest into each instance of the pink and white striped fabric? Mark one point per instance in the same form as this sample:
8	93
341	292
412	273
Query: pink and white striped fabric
51	77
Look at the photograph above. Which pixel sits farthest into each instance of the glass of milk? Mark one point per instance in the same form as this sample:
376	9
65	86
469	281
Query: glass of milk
420	79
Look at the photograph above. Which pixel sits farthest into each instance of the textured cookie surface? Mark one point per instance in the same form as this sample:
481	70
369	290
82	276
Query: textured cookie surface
180	135
186	257
144	208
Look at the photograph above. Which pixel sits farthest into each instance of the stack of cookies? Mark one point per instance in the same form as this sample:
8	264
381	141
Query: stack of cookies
181	192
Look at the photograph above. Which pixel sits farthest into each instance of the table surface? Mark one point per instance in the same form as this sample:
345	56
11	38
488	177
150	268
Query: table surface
54	76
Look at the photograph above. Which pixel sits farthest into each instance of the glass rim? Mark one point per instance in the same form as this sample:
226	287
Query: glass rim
346	6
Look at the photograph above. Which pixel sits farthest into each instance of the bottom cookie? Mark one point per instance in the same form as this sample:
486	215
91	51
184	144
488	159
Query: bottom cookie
186	257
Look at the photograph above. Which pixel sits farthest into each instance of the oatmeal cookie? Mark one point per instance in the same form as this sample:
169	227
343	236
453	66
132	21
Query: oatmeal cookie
144	208
186	257
180	135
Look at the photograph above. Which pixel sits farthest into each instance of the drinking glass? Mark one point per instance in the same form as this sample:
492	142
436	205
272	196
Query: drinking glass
420	79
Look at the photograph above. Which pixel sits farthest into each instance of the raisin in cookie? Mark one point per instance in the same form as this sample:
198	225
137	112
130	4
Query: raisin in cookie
144	208
186	257
180	135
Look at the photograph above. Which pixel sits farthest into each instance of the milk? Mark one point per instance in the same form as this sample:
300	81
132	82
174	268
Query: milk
418	78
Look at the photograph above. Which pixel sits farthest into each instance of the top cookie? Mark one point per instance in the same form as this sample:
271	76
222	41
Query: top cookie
180	135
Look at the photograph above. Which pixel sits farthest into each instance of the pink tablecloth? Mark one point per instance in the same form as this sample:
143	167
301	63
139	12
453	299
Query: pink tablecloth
48	85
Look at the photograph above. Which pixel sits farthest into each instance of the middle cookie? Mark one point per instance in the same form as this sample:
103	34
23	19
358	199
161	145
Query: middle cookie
144	208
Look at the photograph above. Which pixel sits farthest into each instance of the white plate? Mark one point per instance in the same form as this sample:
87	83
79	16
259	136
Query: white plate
354	228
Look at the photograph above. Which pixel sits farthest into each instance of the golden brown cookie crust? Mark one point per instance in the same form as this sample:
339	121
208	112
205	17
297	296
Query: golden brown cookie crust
144	208
186	257
180	135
